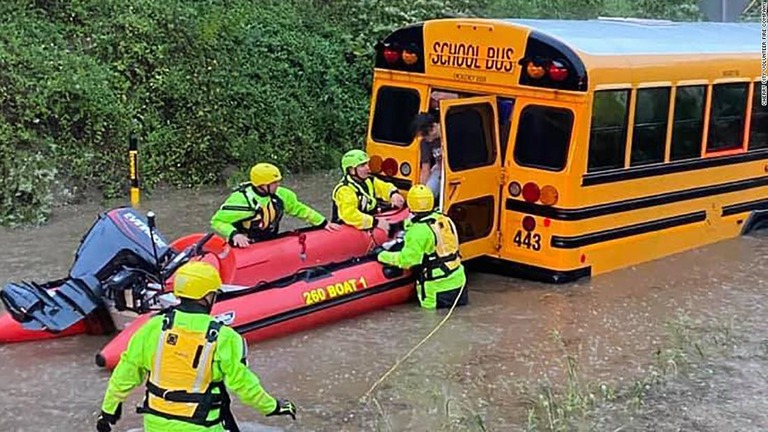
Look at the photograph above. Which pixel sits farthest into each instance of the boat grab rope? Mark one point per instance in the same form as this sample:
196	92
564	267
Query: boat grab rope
408	354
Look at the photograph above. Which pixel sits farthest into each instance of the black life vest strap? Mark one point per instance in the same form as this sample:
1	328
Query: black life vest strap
182	396
168	319
208	401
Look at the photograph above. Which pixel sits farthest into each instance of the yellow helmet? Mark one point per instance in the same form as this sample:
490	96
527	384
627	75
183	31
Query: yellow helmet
264	174
196	279
420	199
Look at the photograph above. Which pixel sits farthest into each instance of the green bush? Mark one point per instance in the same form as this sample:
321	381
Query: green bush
26	179
207	86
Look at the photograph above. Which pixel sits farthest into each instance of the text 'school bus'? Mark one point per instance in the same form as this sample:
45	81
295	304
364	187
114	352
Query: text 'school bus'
572	148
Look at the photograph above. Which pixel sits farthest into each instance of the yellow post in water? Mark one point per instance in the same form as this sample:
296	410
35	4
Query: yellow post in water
133	157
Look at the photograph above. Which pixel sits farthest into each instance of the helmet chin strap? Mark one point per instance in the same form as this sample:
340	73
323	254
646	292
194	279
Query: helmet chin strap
207	302
262	190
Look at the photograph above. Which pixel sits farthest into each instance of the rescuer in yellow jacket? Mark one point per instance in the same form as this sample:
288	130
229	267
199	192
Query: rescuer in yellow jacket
431	242
254	210
188	362
355	198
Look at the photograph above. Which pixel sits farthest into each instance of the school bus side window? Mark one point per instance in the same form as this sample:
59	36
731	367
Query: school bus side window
470	136
758	135
543	135
395	109
688	122
608	133
649	135
726	116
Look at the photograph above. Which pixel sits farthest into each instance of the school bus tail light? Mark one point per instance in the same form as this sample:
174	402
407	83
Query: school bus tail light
529	223
389	167
531	192
515	189
549	195
557	71
391	55
375	164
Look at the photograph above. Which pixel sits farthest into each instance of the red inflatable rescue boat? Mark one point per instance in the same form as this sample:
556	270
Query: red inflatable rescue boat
11	331
306	300
121	255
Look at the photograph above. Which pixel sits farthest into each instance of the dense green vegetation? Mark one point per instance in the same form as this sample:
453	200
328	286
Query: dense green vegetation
209	86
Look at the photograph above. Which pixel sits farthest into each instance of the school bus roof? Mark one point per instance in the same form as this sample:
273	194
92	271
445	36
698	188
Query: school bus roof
612	37
599	53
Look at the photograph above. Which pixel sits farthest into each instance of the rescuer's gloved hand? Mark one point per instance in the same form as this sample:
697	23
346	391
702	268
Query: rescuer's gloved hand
284	407
105	421
391	272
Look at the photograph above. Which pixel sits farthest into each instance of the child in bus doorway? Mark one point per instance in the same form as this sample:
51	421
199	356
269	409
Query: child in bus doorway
427	129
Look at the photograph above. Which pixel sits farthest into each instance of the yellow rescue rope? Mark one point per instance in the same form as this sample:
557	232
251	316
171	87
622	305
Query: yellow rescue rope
401	360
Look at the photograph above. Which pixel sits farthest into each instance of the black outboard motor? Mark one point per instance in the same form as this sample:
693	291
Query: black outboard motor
115	257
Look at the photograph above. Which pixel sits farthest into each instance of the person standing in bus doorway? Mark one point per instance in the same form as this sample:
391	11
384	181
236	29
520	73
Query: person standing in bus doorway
431	242
189	361
356	197
427	129
254	210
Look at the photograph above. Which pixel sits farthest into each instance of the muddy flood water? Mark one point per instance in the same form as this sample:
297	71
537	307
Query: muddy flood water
698	319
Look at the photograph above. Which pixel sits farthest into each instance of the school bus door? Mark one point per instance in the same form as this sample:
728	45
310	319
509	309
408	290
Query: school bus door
472	168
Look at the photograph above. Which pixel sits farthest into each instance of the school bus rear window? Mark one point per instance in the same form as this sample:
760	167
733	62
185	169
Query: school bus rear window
470	134
543	137
726	116
608	133
649	135
758	135
688	122
395	109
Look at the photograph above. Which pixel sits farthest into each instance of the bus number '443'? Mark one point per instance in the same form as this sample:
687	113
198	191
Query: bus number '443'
528	240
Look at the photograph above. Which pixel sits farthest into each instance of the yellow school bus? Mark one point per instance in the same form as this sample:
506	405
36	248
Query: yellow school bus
573	148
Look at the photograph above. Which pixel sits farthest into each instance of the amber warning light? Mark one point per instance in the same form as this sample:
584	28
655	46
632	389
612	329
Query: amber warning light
538	68
394	54
388	166
531	193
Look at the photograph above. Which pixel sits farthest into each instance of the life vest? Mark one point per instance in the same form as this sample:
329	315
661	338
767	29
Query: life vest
265	223
446	258
180	384
365	192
